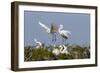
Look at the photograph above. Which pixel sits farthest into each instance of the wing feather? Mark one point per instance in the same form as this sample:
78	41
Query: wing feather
65	33
44	26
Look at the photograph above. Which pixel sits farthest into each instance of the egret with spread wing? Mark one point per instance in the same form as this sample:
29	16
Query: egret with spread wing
64	33
51	30
45	27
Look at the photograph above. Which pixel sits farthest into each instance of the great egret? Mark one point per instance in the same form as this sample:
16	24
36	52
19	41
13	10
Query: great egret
53	30
64	33
39	44
56	51
63	49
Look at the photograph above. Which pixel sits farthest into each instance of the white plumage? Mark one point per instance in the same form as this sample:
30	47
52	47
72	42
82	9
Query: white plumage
48	30
62	50
64	33
45	27
56	51
39	44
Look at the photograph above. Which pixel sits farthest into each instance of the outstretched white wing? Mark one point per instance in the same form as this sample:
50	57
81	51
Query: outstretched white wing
65	33
44	26
68	32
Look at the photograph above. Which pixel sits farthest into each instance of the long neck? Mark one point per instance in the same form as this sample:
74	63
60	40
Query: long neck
61	49
59	29
65	48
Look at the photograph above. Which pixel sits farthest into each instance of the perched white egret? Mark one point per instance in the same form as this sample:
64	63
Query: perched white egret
63	49
56	51
64	33
39	44
52	30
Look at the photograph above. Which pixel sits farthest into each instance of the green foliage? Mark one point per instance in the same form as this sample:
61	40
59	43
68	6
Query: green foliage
79	52
64	56
38	54
41	54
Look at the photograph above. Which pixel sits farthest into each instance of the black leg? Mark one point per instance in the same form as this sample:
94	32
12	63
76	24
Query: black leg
65	41
62	40
55	37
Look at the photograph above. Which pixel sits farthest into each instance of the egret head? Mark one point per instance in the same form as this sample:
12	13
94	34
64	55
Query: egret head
60	46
